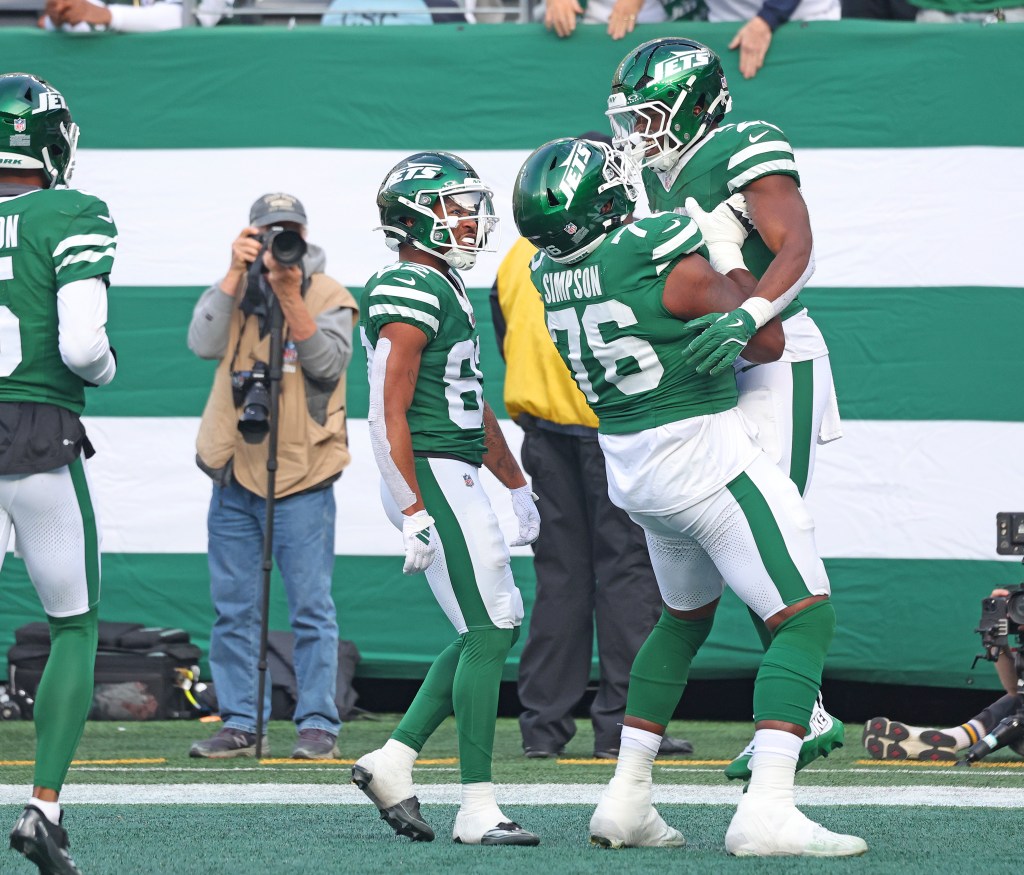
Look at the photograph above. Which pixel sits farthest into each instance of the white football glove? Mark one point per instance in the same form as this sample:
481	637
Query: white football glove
726	223
724	229
419	542
524	503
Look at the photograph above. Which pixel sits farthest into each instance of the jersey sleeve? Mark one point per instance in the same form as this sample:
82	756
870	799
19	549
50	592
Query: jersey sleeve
404	296
761	150
667	237
87	244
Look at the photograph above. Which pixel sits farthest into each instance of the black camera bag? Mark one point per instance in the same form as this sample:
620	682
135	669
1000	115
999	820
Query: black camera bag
138	670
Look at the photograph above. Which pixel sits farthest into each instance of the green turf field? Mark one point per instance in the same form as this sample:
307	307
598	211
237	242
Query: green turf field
136	803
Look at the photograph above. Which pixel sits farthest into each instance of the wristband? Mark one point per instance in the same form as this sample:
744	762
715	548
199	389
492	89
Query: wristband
760	309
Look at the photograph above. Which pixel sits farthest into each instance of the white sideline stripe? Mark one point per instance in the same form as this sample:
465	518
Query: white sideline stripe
887	490
910	232
510	794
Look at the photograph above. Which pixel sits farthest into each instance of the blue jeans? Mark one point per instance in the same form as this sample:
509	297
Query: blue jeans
304	553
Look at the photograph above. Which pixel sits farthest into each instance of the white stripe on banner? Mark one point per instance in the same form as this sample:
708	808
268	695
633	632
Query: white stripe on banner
890	490
881	217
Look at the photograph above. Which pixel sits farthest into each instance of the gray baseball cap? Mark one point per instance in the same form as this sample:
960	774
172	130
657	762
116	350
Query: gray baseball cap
277	207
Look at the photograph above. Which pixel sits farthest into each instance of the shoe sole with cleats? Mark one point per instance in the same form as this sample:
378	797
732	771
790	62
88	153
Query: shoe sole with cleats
403	817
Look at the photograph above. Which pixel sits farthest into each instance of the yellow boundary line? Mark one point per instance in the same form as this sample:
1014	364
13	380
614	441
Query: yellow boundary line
939	764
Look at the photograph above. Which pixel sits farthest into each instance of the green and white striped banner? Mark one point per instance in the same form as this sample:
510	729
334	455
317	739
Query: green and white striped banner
912	163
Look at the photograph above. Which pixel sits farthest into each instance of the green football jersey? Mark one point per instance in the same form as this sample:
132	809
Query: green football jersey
48	239
625	350
447	410
725	162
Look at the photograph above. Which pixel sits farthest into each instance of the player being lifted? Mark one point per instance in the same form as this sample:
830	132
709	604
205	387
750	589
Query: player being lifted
430	430
667	104
56	251
623	300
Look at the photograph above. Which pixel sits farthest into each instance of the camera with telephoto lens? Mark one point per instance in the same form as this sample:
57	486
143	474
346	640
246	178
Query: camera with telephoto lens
1002	617
286	245
251	391
1002	632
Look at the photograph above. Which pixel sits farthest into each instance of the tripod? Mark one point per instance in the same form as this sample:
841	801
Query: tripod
267	564
1009	730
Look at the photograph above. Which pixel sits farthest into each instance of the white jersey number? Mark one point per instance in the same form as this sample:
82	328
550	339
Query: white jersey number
609	353
10	342
465	412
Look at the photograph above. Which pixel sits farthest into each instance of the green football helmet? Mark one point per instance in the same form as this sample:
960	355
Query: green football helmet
426	197
36	130
666	96
570	193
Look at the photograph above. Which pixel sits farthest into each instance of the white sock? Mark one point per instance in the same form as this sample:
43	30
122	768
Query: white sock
479	798
962	733
50	809
637	750
773	765
401	753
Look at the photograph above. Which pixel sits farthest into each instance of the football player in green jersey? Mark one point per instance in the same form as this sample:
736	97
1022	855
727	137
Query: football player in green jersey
667	107
622	301
56	252
431	430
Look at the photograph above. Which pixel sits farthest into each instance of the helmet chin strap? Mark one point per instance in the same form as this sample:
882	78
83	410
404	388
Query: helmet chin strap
460	260
666	160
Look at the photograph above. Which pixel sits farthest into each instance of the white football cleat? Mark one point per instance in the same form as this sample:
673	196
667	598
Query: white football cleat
490	828
763	828
629	820
388	785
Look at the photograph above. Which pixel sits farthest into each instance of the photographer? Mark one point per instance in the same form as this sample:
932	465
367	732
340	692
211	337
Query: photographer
887	739
232	322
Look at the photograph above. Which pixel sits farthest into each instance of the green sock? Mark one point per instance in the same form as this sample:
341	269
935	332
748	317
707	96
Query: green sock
662	665
433	701
64	696
475	697
790	674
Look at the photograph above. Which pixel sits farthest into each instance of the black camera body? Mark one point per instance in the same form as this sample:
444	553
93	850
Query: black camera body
250	390
286	245
1002	617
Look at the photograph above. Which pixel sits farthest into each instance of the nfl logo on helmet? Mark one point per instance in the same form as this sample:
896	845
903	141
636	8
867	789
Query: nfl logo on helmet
20	124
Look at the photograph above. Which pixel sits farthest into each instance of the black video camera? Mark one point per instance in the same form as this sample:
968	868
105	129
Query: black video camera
251	391
286	245
1001	618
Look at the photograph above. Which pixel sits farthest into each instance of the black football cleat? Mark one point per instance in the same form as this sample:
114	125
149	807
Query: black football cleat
44	843
403	817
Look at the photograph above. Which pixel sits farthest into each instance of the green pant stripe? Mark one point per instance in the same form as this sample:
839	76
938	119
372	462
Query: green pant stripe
456	551
803	420
92	551
771	545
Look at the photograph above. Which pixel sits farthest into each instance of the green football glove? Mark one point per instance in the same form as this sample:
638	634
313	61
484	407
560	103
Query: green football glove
721	340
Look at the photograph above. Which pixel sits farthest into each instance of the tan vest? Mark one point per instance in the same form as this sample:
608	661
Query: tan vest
307	453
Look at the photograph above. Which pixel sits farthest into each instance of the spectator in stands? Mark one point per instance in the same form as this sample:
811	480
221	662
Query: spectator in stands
145	16
888	10
607	578
763	18
231	322
981	11
886	739
621	16
355	12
